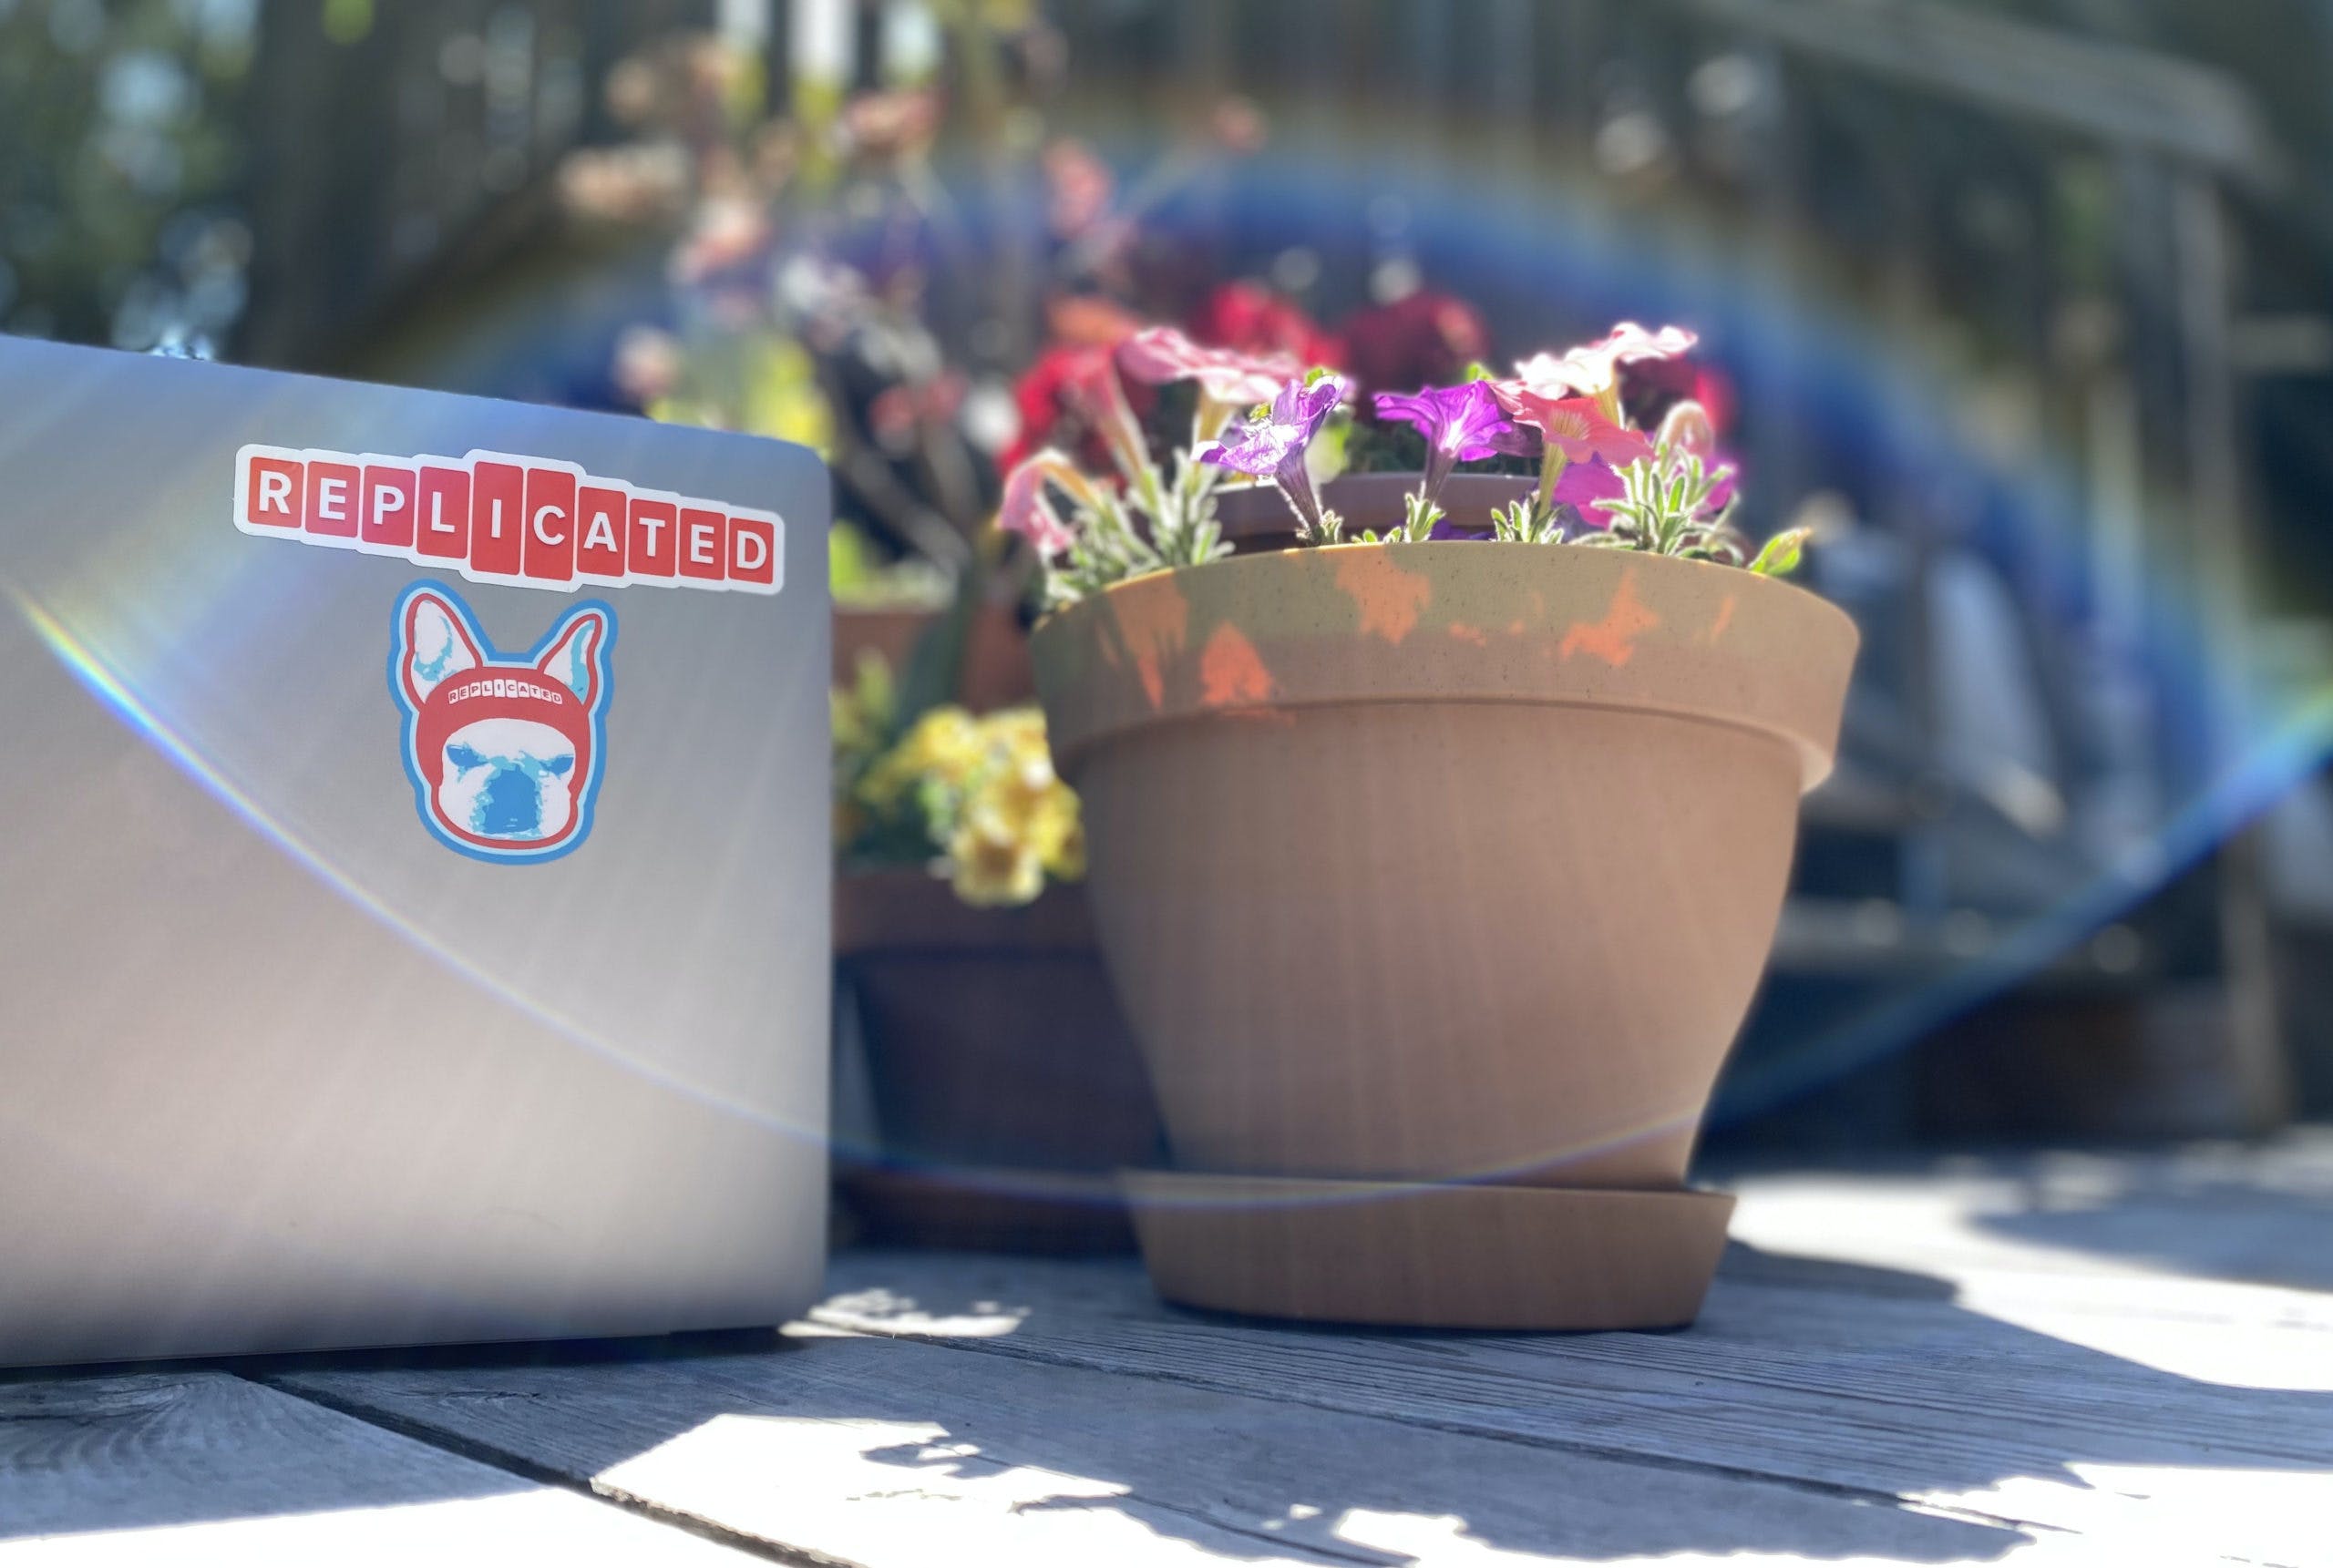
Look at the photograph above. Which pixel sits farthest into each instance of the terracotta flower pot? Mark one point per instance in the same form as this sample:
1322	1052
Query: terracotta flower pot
1441	863
1006	1085
996	657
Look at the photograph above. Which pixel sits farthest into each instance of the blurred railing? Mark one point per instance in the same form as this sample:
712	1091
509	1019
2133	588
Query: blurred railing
396	146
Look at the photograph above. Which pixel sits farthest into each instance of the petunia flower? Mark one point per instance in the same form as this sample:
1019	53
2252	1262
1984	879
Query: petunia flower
1027	508
1091	390
1273	443
1689	428
1688	425
1573	431
1461	424
1576	426
1582	486
1161	355
1593	369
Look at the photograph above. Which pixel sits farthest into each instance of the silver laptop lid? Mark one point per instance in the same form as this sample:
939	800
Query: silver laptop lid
413	875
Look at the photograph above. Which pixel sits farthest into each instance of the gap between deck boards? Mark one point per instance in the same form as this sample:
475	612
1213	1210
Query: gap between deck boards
524	1469
519	1465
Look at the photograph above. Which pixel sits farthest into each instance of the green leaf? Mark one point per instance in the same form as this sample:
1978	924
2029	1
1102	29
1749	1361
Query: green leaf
1781	554
935	670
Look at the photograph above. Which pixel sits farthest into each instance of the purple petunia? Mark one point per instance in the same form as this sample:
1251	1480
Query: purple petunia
1461	424
1273	443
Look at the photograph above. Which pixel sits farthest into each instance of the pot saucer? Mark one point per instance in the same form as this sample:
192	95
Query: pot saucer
1426	1255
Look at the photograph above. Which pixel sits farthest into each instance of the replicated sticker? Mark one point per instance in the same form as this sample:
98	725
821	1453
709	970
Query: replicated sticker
522	522
505	754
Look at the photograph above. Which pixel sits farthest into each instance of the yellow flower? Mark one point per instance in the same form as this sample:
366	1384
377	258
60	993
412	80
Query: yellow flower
1004	818
854	734
990	865
1059	836
1020	729
945	743
1027	799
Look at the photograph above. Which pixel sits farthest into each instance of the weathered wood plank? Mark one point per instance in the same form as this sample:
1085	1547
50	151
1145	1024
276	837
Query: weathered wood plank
892	1453
2011	1362
2259	1213
1892	1388
206	1466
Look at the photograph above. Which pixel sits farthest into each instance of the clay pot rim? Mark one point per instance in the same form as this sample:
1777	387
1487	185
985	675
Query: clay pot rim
1816	752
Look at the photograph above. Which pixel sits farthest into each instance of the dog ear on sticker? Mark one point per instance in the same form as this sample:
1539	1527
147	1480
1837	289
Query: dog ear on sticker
576	654
435	640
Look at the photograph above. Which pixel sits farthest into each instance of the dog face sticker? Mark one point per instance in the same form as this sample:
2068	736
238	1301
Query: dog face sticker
504	753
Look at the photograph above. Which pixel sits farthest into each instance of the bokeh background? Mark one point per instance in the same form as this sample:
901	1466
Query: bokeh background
2027	304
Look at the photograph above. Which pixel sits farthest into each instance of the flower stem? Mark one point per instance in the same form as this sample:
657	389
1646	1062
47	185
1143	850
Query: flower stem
1551	468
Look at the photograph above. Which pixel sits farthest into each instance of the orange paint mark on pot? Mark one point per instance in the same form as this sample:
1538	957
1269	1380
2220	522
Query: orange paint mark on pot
1723	619
1153	623
1390	598
1231	673
1613	639
1474	634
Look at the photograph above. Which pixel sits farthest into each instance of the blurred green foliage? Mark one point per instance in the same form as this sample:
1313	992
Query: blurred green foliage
118	141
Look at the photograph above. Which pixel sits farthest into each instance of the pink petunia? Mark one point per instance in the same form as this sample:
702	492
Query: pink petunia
1576	426
1027	508
1582	485
1593	369
1163	354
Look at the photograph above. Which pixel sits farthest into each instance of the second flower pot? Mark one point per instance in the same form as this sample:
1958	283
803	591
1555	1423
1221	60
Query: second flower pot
1005	1089
1447	864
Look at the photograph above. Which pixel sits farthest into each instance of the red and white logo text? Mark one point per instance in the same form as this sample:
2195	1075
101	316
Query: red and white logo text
528	522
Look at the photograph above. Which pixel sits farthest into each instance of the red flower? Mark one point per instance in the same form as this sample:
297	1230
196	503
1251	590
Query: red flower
1067	387
1423	339
1052	413
1650	389
1251	318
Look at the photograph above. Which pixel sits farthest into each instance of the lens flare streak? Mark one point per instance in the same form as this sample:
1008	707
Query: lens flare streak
102	680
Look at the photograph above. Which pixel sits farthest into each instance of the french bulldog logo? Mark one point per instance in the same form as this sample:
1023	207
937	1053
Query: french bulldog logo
504	753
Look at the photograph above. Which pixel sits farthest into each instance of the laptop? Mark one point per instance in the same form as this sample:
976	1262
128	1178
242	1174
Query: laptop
414	867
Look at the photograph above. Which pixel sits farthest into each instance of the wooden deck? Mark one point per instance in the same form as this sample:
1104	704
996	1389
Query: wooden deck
2121	1362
